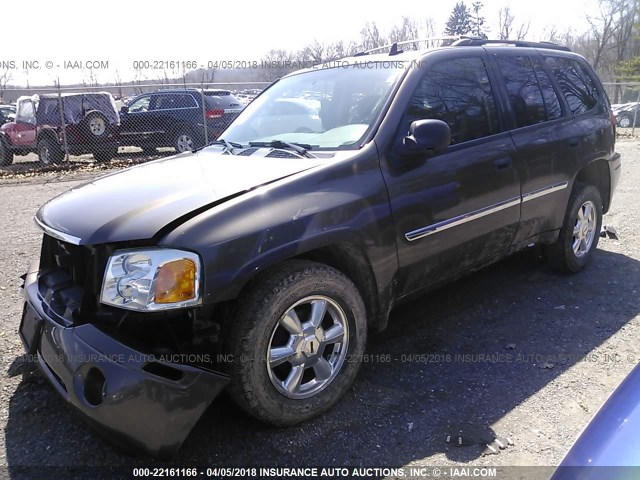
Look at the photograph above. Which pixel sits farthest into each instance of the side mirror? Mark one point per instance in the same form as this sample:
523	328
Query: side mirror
426	136
124	109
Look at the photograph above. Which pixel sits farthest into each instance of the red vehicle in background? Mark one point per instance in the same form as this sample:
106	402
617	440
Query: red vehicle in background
87	122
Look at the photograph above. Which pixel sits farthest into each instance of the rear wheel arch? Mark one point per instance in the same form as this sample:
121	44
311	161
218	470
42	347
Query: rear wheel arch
596	173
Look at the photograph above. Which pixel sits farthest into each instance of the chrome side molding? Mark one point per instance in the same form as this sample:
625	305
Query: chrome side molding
468	217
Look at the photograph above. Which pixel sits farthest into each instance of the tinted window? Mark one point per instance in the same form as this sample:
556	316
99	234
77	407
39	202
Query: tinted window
457	92
549	94
175	100
576	84
524	92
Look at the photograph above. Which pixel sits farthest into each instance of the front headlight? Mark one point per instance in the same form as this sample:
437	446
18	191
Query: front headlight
151	279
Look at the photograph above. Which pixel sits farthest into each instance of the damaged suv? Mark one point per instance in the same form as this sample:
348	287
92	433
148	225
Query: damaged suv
259	263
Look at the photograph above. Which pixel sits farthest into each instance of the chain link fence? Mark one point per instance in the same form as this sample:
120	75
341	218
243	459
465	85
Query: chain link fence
625	100
68	128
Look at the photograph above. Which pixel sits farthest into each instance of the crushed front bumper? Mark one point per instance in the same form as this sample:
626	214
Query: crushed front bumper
112	385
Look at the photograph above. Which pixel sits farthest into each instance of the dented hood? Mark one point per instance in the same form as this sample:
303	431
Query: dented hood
137	203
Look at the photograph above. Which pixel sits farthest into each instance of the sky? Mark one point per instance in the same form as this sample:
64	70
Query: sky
63	36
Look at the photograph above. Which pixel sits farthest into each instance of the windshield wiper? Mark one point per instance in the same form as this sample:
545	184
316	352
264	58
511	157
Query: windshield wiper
229	146
301	149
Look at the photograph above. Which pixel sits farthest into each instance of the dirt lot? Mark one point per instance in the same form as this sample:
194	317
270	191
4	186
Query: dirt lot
514	351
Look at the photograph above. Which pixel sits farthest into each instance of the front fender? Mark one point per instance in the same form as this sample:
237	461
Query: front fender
344	202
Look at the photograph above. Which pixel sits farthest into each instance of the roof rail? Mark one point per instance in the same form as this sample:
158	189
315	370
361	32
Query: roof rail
477	42
393	47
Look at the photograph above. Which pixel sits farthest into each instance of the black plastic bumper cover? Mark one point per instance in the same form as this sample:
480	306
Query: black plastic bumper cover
106	382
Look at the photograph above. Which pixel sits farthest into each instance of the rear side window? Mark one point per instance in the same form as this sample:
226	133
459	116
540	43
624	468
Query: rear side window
457	92
575	82
549	94
532	97
524	91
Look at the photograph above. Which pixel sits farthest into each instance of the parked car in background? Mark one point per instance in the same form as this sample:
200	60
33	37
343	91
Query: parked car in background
612	438
88	123
7	113
260	263
625	113
174	118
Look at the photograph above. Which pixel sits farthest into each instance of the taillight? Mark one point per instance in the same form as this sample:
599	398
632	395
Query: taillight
215	113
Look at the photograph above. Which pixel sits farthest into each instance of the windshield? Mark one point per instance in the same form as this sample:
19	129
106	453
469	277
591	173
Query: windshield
328	108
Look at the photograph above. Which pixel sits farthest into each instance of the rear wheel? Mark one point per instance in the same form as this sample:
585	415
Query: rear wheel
6	155
580	231
183	141
49	151
296	342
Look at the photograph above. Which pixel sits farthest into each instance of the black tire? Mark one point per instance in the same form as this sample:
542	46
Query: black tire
6	155
49	151
561	255
258	323
105	155
95	125
183	140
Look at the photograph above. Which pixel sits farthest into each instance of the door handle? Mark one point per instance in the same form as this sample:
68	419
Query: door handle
503	163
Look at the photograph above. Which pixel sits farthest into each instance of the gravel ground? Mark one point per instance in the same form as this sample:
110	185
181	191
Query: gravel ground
513	351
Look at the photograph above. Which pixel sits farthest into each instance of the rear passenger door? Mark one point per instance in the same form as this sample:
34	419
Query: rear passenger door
546	137
460	206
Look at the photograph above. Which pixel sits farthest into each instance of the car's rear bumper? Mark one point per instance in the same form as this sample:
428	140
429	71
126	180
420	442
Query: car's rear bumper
109	383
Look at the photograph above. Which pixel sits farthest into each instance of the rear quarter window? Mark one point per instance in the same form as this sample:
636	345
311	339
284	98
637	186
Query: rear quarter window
578	88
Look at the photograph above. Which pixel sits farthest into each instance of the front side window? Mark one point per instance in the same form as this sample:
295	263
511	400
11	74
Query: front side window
459	93
327	108
576	84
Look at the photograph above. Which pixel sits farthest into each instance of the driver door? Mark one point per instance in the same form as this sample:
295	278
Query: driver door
24	132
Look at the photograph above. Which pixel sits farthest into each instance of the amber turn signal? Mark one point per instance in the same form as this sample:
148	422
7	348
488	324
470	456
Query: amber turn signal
176	281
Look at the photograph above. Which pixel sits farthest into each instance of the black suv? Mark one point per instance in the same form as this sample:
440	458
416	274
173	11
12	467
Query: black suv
86	122
175	118
259	264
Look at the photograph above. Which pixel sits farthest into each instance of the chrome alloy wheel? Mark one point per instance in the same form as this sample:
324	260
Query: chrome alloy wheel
184	143
308	346
584	230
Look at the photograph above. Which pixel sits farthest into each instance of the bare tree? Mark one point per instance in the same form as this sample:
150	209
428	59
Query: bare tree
276	63
407	30
370	36
5	77
506	27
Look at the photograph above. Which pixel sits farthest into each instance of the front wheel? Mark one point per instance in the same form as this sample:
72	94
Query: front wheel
297	342
580	231
49	151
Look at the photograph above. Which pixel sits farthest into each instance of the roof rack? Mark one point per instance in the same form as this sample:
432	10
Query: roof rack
393	47
477	42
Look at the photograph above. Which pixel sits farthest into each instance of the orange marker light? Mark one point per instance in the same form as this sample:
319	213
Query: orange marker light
176	281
